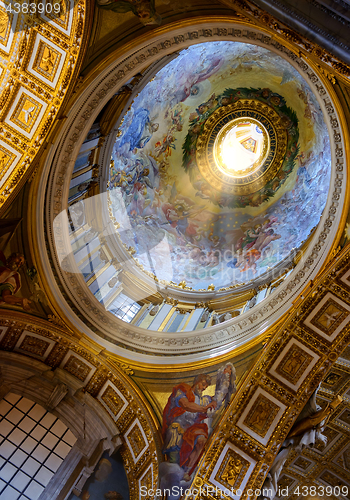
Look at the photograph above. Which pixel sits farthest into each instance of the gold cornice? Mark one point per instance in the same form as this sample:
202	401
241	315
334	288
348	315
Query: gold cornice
27	166
231	353
190	366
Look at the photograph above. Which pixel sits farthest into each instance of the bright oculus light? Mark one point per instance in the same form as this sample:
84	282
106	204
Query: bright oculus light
241	147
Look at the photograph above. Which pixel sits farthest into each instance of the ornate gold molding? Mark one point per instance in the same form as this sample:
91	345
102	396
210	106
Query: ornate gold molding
296	358
43	53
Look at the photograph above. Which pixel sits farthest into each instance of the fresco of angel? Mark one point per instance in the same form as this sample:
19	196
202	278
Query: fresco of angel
140	130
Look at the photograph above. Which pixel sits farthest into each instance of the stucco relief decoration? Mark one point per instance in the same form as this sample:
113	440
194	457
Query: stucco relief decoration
293	364
137	441
232	470
77	368
143	9
34	345
329	317
261	415
37	63
112	400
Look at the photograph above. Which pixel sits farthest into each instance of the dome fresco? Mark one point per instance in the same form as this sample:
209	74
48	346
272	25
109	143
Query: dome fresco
220	168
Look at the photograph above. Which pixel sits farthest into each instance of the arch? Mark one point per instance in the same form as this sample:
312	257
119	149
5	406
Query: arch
90	394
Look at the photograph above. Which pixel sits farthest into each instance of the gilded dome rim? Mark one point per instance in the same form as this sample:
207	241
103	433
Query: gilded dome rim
315	255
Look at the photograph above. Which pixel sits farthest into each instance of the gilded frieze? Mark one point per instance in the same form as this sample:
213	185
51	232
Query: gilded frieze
40	54
34	345
261	415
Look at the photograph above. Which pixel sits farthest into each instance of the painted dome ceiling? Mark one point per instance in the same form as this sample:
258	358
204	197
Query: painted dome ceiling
221	167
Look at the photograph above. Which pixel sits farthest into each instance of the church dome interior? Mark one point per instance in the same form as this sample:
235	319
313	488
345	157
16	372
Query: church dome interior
207	196
174	250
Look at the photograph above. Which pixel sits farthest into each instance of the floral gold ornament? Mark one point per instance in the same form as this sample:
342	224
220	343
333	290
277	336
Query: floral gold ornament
261	415
38	59
77	368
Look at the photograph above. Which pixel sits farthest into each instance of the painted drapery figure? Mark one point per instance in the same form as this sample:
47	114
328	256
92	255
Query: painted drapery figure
184	431
187	423
140	130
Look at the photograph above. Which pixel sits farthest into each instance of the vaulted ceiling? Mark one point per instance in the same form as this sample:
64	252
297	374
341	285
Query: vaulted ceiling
71	87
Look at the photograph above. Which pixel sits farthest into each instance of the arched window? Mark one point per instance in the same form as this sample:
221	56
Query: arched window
33	444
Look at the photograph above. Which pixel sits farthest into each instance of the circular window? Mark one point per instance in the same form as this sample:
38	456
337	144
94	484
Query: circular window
241	147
